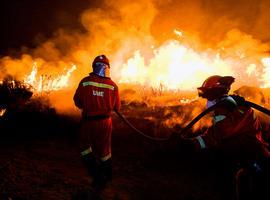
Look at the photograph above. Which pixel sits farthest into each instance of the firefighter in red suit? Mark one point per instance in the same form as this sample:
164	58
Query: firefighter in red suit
235	134
97	96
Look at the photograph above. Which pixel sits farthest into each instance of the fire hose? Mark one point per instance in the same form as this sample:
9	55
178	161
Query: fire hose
138	131
197	118
243	102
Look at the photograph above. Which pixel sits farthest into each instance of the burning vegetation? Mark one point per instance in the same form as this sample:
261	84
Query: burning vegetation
13	94
160	52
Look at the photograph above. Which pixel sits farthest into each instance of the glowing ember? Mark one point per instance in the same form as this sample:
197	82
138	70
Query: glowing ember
2	112
45	83
179	33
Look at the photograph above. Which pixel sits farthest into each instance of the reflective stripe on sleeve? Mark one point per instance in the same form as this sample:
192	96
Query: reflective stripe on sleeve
241	111
86	151
219	118
100	85
201	141
104	158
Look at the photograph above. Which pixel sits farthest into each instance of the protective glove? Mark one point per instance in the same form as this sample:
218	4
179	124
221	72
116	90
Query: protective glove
186	145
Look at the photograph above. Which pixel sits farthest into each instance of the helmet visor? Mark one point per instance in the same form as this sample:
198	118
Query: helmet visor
101	69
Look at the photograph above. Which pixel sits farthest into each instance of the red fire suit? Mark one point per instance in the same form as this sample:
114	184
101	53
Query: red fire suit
97	97
236	132
236	135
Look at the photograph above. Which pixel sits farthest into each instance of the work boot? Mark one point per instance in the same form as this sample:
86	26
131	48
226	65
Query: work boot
106	169
93	169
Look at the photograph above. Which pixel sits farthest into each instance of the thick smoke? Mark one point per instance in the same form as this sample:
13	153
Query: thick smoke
236	30
119	28
210	20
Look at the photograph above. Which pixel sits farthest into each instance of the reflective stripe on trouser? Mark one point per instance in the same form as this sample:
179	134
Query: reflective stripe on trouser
89	151
107	157
96	134
86	151
201	142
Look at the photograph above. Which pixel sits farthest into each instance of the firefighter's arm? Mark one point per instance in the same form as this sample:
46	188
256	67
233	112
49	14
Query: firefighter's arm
220	129
77	97
222	125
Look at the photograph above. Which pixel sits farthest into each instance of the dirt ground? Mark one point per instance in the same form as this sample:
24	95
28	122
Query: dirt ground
39	161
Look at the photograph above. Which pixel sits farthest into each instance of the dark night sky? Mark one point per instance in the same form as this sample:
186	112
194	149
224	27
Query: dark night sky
22	21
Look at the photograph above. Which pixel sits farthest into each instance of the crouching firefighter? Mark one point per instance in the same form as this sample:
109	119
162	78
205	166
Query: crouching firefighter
97	96
235	134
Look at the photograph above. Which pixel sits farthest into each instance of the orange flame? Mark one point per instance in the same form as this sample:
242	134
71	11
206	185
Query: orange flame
174	66
266	74
45	83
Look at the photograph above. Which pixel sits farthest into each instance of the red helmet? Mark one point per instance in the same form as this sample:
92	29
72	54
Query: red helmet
101	66
102	59
215	86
